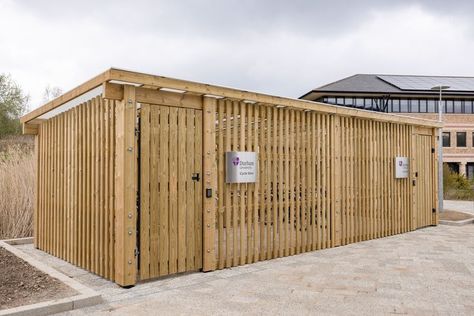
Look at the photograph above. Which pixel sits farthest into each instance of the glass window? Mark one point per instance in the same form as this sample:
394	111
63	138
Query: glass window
468	106
461	139
340	101
396	105
360	102
449	106
368	104
432	108
423	106
349	101
414	106
446	139
332	100
458	106
403	105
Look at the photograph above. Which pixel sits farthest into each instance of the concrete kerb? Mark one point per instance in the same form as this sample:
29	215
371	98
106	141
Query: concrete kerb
458	223
86	296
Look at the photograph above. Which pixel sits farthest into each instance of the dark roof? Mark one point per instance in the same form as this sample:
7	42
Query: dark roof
396	84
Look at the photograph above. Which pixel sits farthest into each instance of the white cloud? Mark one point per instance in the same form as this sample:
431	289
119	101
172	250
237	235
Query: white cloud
38	50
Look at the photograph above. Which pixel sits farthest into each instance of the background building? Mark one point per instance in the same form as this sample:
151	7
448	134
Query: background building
413	96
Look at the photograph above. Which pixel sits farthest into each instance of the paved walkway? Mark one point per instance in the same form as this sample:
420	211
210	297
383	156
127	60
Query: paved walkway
462	206
426	272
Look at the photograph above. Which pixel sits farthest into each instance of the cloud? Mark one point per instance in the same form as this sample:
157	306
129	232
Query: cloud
278	47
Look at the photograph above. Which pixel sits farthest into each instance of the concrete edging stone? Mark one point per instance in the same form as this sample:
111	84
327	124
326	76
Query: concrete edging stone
86	296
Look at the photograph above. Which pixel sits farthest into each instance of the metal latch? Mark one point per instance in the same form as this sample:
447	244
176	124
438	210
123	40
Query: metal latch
195	177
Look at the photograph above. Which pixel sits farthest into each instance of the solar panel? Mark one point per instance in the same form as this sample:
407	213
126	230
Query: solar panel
427	82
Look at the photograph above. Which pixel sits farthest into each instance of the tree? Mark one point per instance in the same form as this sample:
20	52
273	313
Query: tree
51	93
13	104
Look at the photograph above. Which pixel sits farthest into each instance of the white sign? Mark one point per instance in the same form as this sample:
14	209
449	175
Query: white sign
401	167
241	167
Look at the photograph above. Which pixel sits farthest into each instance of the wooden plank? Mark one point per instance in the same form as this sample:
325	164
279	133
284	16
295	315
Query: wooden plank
210	182
198	193
125	186
291	158
145	171
177	195
114	91
337	185
159	183
221	108
227	187
242	187
190	209
235	187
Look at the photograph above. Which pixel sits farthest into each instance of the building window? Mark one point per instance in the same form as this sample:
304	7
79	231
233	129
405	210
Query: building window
432	108
349	101
414	106
468	106
461	139
359	102
458	106
422	106
446	139
403	105
396	105
449	106
331	100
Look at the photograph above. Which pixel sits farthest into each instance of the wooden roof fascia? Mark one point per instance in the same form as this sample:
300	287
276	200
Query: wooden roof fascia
68	96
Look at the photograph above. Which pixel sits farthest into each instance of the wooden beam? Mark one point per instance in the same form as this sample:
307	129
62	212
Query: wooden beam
114	91
126	190
160	81
81	89
210	183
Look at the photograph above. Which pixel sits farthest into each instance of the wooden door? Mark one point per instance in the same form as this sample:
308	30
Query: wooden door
170	186
424	181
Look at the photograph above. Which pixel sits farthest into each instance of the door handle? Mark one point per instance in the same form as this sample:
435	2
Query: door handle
195	177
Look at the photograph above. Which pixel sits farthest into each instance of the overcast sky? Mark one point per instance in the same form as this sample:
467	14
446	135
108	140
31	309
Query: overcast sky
279	47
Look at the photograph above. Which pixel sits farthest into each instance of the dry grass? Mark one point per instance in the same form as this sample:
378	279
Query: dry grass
17	172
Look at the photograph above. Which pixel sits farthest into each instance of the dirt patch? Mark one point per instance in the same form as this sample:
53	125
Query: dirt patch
449	215
21	284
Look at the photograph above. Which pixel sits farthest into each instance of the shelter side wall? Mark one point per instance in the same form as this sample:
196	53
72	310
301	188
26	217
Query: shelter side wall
324	180
75	186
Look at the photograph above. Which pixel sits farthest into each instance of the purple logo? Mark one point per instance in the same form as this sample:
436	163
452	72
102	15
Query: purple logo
400	163
236	161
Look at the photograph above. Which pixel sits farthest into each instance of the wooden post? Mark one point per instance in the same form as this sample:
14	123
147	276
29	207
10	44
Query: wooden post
336	183
435	168
37	184
126	189
209	182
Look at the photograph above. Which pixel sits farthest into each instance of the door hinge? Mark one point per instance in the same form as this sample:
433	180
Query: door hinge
432	150
434	210
137	131
136	252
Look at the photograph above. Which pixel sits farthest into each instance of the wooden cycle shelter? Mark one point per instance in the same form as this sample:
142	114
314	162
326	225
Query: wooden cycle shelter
131	176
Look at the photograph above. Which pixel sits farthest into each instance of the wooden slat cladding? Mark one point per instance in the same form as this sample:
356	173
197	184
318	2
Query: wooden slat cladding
287	211
75	205
170	201
323	180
